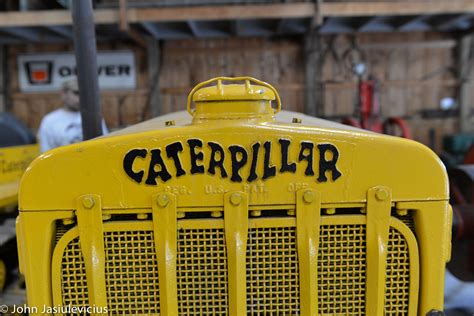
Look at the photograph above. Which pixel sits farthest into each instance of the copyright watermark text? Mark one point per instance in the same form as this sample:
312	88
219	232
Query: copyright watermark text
56	309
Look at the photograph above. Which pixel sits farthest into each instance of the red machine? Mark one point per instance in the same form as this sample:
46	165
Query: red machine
367	114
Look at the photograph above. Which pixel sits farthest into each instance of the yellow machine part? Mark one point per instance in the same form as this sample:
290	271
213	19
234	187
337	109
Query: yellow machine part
233	212
3	274
13	162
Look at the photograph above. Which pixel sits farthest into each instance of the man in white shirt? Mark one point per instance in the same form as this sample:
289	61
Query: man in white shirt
64	125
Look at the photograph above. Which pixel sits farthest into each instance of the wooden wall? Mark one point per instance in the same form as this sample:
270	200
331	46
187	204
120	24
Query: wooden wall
186	63
414	70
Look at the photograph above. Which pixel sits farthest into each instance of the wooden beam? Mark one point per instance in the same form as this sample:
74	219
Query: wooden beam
234	12
465	52
123	23
154	66
347	8
314	92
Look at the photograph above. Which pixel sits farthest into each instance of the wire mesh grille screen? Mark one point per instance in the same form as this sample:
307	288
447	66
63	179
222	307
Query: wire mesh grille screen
202	272
73	276
341	270
131	273
272	271
398	275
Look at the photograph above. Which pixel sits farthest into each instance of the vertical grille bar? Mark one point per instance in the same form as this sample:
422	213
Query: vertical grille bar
236	235
379	204
308	206
91	232
165	233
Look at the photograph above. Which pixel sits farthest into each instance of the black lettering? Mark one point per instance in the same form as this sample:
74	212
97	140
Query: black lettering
128	164
64	71
172	151
237	163
110	70
328	165
268	171
156	160
213	163
285	166
196	156
307	146
124	70
253	168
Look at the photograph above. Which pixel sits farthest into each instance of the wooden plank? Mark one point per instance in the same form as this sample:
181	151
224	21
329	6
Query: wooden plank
236	12
464	70
348	8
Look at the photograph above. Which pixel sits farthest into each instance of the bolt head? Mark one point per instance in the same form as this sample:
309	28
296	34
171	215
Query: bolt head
88	202
162	200
381	194
235	199
308	196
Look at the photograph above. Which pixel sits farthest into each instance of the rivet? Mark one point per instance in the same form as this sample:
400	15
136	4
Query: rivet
256	213
381	194
180	215
68	221
235	199
297	120
106	217
142	216
170	123
363	210
330	211
162	200
308	196
402	212
216	214
88	202
291	212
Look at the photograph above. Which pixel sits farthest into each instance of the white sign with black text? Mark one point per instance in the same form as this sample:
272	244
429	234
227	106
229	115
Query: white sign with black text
47	72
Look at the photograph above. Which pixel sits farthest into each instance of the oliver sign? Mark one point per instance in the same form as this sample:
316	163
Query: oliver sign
47	72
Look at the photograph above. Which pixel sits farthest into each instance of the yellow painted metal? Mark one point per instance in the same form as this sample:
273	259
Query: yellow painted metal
13	162
308	214
3	274
378	223
413	254
415	176
91	232
433	232
236	235
35	238
165	227
260	92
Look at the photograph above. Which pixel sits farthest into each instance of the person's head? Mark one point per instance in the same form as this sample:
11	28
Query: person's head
70	95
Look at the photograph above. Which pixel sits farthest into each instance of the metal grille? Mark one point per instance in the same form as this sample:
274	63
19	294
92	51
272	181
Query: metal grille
398	275
272	271
202	272
131	273
341	270
73	276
